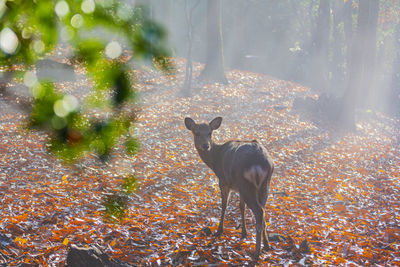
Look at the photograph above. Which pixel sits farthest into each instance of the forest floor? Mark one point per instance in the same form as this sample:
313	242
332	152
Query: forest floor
336	191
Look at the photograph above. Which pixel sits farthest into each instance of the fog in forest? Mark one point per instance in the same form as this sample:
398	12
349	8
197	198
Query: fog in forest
337	48
120	121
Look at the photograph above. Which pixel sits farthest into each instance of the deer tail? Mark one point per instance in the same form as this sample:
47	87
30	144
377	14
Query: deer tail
256	175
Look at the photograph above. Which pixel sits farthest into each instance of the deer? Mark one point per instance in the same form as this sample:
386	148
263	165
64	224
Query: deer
241	166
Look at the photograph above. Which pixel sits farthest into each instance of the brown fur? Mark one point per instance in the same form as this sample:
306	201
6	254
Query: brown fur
245	167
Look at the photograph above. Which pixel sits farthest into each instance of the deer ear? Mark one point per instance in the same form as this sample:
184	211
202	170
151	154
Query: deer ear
189	123
215	123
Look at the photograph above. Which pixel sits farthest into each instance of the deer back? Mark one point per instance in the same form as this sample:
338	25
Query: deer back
243	165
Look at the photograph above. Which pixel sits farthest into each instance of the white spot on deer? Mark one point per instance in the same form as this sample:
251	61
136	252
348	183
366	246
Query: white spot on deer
256	175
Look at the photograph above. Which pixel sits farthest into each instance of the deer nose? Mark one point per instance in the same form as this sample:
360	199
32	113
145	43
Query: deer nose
205	146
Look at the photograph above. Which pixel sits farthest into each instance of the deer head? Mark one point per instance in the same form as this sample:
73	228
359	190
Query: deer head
202	132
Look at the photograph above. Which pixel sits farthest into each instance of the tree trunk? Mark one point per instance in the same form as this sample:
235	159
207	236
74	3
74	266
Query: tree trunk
320	47
214	68
363	49
187	85
348	33
369	81
300	70
393	97
337	65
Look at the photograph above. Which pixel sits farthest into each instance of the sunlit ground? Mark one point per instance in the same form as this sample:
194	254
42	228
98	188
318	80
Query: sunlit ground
341	188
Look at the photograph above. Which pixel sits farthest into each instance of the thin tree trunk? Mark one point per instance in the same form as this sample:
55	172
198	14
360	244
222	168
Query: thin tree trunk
348	32
214	68
187	85
300	70
393	96
358	53
337	80
370	61
320	51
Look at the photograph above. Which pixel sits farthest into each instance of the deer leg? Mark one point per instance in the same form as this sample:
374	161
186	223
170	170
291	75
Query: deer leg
242	206
251	200
265	235
265	232
260	226
260	230
225	197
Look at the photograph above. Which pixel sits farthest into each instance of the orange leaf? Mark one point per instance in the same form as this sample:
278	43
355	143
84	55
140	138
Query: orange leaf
339	197
20	218
20	241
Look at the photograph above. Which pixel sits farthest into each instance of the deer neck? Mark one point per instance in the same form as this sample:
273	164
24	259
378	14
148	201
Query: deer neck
211	156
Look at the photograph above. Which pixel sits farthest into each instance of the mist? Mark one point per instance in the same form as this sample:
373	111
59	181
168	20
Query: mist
200	133
306	42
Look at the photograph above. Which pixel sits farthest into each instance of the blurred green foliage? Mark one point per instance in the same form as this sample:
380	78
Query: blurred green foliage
31	29
115	204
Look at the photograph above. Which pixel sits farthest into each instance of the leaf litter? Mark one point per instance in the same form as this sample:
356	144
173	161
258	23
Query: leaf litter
335	195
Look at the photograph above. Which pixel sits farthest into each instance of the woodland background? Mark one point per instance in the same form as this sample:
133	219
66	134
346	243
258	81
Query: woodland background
316	82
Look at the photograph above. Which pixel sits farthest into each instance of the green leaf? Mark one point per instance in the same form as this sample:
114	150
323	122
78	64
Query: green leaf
122	88
36	26
115	206
130	185
43	104
132	146
90	50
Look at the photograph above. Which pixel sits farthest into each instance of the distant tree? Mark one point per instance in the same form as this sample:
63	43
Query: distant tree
30	30
320	47
369	75
363	54
347	14
235	30
393	97
214	68
187	85
338	43
300	70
